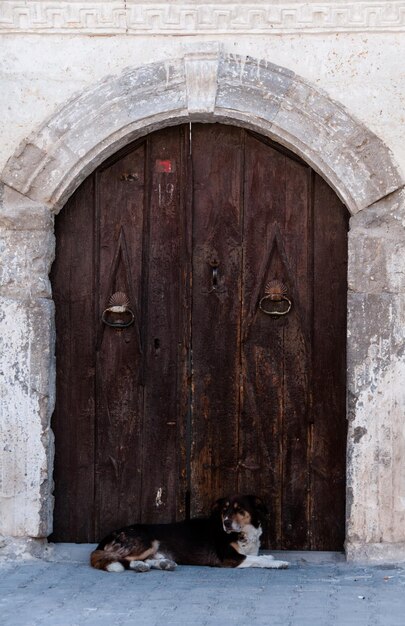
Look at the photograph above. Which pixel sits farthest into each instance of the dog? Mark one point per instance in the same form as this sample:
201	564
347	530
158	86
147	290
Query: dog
229	537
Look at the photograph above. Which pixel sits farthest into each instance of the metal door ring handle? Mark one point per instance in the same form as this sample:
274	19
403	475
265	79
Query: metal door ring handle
119	323
274	312
116	315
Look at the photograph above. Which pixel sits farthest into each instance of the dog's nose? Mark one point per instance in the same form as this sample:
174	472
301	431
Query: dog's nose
228	524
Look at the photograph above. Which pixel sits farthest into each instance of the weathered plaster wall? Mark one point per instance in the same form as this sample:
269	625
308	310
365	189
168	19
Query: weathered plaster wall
52	55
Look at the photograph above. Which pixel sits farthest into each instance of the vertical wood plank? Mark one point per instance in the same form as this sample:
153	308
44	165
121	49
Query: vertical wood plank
73	419
167	311
275	351
297	358
217	238
331	221
261	439
120	195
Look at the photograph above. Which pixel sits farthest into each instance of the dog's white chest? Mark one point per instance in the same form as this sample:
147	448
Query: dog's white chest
249	540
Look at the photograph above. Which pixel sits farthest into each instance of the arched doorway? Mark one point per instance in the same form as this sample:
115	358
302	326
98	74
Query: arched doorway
206	229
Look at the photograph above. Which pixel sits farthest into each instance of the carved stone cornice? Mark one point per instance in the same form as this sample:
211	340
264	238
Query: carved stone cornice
196	17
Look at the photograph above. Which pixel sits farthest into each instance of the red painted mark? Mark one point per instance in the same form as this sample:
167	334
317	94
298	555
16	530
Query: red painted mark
164	166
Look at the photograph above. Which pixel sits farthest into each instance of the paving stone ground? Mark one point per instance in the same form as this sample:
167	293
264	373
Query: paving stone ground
318	589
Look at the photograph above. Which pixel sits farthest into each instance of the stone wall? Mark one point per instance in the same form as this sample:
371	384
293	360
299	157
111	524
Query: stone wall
80	79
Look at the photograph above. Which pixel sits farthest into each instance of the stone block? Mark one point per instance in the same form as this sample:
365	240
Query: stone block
18	212
202	81
376	437
27	388
355	162
25	548
25	159
381	552
377	247
248	86
26	259
132	83
376	334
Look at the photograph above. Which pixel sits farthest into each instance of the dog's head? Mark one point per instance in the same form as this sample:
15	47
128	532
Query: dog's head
237	512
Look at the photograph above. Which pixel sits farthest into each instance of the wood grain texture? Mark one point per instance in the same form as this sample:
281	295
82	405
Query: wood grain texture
73	421
204	394
166	330
216	315
275	351
328	488
119	415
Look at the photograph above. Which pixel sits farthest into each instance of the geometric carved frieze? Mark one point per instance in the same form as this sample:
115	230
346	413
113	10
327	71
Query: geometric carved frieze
196	17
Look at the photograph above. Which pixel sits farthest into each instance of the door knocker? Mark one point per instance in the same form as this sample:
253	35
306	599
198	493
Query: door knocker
118	315
275	291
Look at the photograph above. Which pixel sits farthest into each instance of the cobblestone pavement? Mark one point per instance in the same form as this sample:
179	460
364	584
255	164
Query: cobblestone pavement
318	589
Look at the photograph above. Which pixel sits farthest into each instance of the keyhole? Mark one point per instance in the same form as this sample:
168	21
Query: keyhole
156	344
214	273
214	277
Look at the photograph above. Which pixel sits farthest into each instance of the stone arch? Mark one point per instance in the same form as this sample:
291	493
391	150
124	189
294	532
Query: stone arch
209	86
205	87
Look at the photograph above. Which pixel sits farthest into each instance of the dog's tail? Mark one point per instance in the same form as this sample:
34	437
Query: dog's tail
100	559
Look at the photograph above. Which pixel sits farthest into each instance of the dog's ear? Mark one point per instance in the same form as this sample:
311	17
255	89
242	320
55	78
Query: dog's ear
218	505
259	505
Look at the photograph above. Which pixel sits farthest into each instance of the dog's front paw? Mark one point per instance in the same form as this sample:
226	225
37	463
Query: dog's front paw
280	564
167	565
139	566
270	562
162	563
264	560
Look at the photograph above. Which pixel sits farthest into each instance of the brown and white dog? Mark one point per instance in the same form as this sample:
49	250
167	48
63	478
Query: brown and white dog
230	537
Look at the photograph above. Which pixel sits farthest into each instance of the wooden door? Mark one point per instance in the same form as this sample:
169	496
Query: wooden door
205	393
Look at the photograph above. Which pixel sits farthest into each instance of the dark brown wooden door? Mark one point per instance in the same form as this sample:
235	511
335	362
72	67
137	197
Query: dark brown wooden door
204	394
